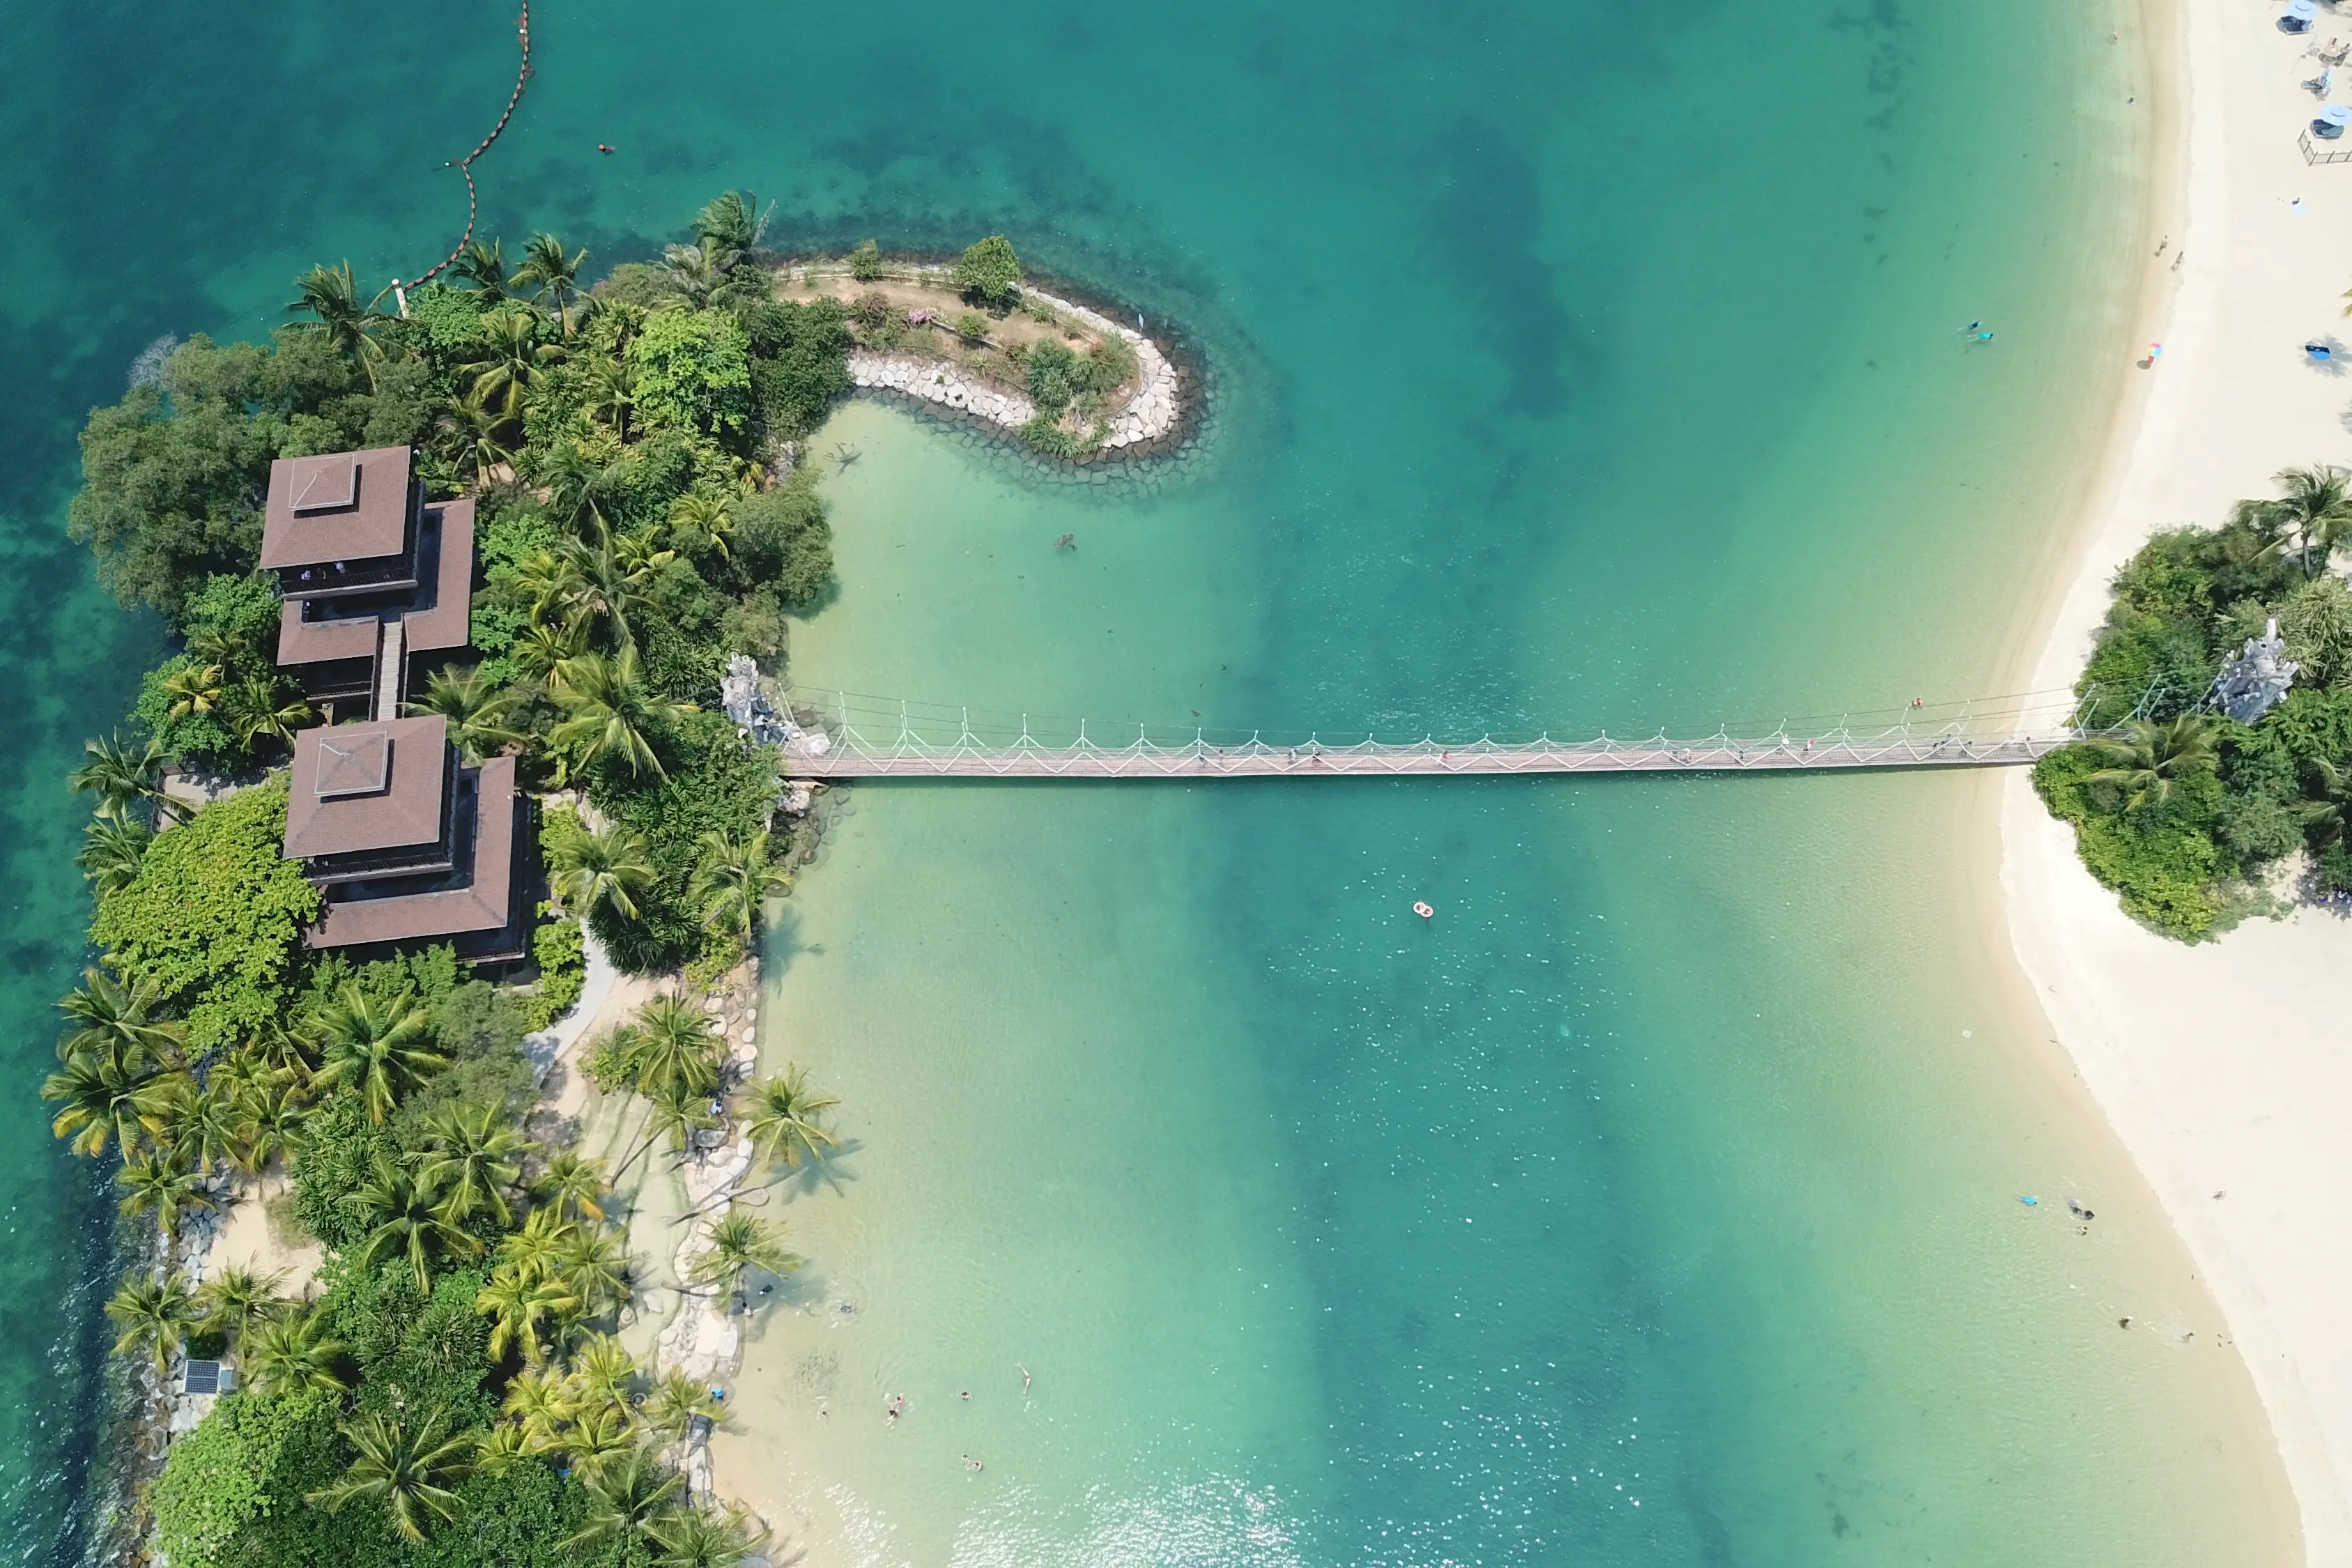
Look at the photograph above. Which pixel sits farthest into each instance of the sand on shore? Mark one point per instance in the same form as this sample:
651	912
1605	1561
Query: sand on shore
2221	1067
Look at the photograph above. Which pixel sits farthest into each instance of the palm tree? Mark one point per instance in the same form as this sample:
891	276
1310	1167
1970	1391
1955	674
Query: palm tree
106	1091
330	294
484	269
475	710
600	1433
696	269
511	355
109	1013
373	1047
636	560
612	392
474	1154
209	1128
542	1405
408	1469
194	690
600	871
702	522
235	1298
535	1252
734	880
156	1316
604	1369
2313	514
270	1112
553	276
410	1215
516	1307
674	1404
678	1110
594	1267
574	1183
113	847
612	712
786	1122
603	583
738	1242
123	777
472	433
730	224
546	643
153	1183
579	487
628	1494
693	1538
256	709
2150	759
291	1353
675	1047
500	1448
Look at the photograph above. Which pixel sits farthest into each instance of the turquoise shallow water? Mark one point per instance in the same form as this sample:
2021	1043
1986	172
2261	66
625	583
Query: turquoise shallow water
1577	367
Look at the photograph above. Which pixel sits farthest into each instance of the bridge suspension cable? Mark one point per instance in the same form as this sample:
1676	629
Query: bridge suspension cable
842	735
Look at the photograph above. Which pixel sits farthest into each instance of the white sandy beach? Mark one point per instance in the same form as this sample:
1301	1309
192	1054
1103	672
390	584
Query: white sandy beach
2223	1067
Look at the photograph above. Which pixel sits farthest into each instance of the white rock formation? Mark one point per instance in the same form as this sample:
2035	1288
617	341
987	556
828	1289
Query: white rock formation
1152	412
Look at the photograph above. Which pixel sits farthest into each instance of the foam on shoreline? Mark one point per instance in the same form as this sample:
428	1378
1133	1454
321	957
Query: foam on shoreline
2220	1067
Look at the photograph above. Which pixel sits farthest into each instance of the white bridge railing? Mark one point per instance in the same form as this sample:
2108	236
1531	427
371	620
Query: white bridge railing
846	736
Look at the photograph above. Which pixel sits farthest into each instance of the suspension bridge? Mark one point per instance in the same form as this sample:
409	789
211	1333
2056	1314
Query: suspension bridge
842	735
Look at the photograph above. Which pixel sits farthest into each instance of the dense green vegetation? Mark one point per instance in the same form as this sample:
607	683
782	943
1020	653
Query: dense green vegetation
622	443
2181	809
453	1394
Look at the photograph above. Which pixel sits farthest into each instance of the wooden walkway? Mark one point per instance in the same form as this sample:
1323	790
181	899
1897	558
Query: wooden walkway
1200	760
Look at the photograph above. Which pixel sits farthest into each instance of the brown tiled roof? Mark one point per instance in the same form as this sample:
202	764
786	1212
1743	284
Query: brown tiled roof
316	642
344	506
447	624
483	904
367	786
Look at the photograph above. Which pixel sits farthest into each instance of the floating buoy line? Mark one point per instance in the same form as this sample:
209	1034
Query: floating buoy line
465	166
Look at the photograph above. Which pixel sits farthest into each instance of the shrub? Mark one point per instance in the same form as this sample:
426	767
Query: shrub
783	543
972	327
1109	362
716	782
694	372
248	1458
212	917
1053	372
339	1149
200	737
866	262
560	948
523	1515
989	270
2161	860
799	362
1045	434
450	318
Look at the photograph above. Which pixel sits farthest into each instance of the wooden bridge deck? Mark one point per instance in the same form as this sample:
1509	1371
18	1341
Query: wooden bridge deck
847	757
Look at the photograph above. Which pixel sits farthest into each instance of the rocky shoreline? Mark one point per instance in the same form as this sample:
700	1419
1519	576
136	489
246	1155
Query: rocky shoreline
1154	412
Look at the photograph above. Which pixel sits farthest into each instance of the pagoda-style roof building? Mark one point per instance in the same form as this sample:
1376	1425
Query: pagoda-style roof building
373	573
408	841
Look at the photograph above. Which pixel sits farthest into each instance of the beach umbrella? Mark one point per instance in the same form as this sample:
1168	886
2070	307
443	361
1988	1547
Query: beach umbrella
2337	114
2302	10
